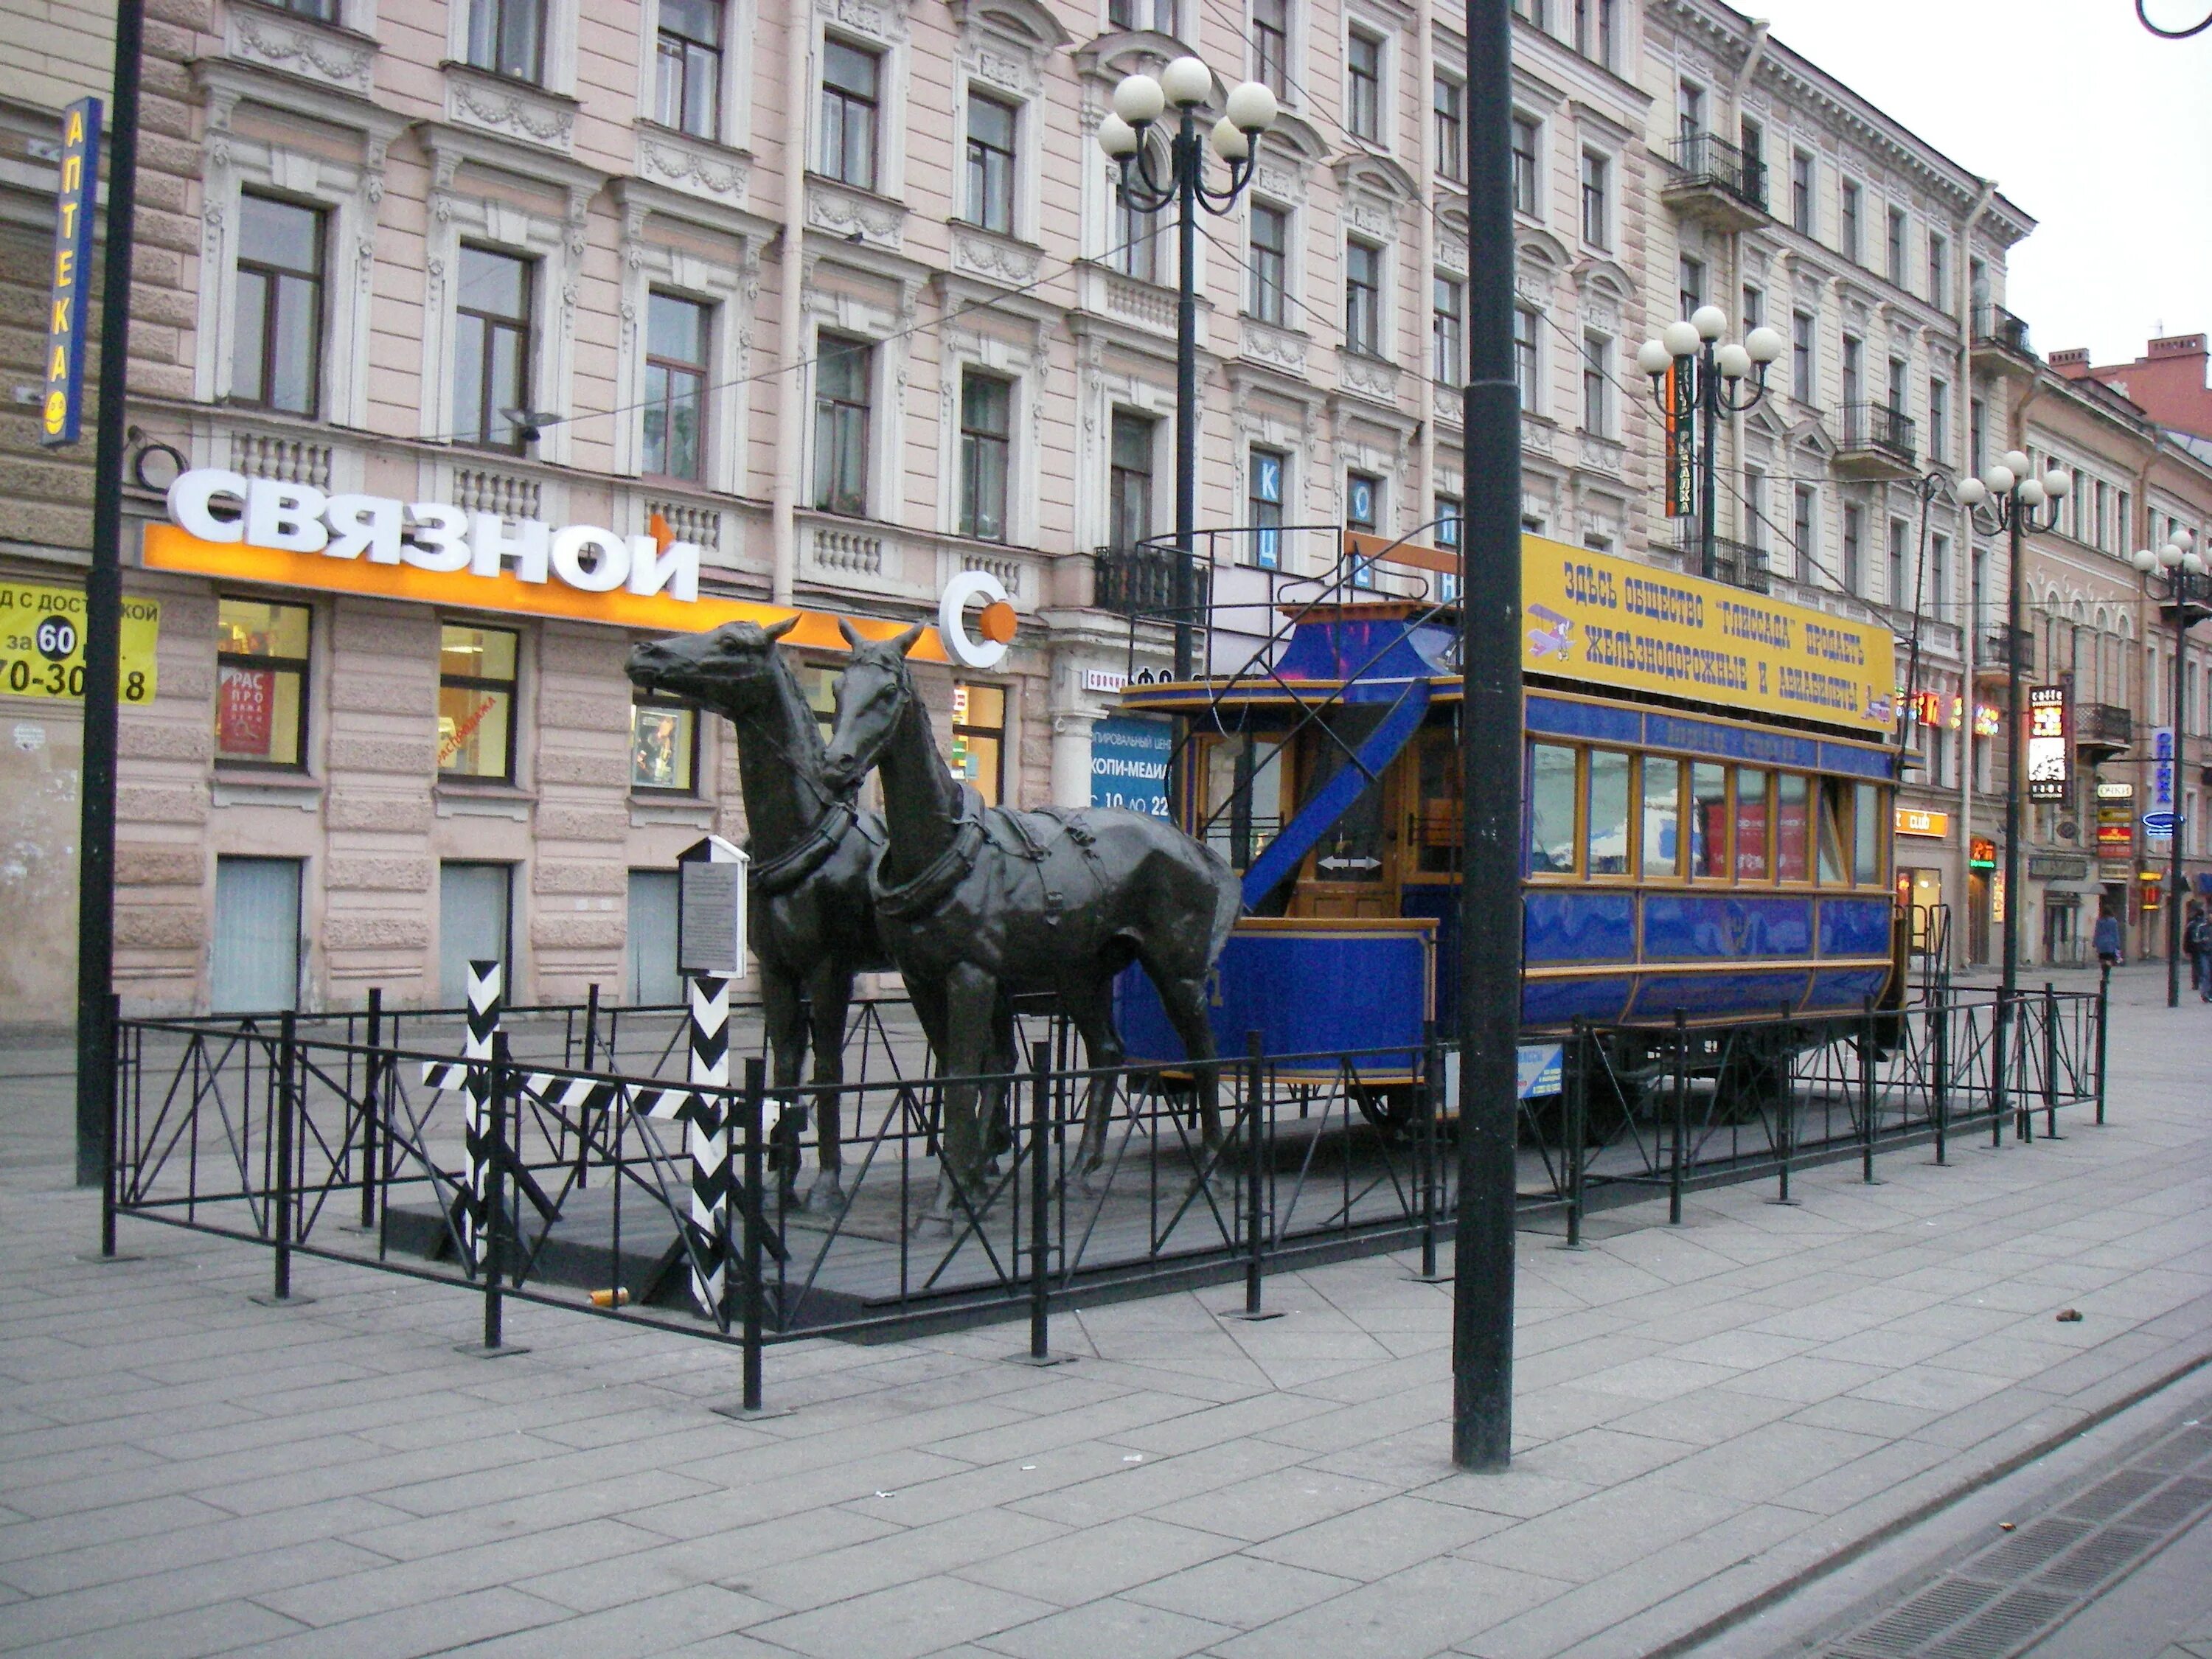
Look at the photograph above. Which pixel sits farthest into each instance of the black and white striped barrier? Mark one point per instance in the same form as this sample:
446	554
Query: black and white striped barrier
485	985
706	1132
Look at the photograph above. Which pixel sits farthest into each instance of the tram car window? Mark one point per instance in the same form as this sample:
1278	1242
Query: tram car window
1792	827
1551	810
1662	818
1709	805
1606	834
1751	822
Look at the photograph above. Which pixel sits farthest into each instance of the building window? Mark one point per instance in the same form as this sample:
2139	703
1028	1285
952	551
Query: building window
1900	377
475	904
653	980
842	370
1751	138
1449	101
476	702
1271	44
1362	85
1896	246
1974	436
991	163
1802	530
1901	595
1263	507
675	385
1271	241
1939	420
1754	507
851	99
1594	30
1596	210
1755	307
1129	481
1597	389
1689	112
663	746
1524	357
1939	270
1362	298
987	425
688	67
1137	238
1854	370
1801	356
979	738
491	348
507	37
1362	514
323	11
1854	548
1527	136
276	348
2104	515
1450	514
1847	237
255	965
1801	191
1159	16
261	683
1691	275
1449	325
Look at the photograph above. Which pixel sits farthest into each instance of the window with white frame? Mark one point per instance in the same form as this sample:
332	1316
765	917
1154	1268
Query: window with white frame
675	334
1448	114
1362	514
688	66
991	125
1363	85
1691	280
986	427
1597	200
1450	514
1526	374
1363	297
1899	232
1270	232
277	338
843	375
1851	199
852	108
493	343
1801	361
507	37
1159	16
1528	139
1137	236
1801	191
1271	46
1263	506
1597	385
1939	270
1854	548
1447	330
1129	479
1939	420
1804	528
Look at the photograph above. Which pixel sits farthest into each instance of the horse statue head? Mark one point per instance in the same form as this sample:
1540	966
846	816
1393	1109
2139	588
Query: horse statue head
733	669
873	697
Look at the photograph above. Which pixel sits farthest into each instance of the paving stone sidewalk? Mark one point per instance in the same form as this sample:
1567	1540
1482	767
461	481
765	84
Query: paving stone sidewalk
1703	1415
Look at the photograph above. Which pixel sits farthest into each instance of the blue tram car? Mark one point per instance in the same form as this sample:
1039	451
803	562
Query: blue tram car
1707	808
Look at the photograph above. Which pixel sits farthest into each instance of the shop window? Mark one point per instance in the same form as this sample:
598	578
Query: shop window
688	67
1606	816
1551	810
987	425
1752	858
663	746
255	967
842	370
675	385
654	980
476	702
507	37
277	344
1793	826
979	738
261	683
852	81
491	348
991	126
1663	819
1709	822
475	905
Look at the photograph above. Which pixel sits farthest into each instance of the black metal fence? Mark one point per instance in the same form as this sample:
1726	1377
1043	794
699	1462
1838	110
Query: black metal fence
551	1173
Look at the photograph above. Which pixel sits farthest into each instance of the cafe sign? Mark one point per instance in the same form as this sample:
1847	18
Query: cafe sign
225	525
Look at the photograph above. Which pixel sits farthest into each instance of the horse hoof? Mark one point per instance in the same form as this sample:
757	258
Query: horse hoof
934	1226
826	1194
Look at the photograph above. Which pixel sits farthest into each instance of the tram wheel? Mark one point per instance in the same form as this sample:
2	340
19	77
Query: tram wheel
1395	1111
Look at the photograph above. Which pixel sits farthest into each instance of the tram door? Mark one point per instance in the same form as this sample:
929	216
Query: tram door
1352	870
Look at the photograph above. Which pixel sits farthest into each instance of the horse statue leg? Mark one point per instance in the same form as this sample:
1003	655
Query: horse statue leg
1184	1003
1091	1008
970	1000
786	1015
830	998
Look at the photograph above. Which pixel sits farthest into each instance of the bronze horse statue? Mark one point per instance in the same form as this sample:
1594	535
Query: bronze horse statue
810	921
979	906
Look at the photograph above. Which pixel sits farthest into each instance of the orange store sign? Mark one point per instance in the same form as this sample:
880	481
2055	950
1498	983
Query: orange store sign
290	535
1911	821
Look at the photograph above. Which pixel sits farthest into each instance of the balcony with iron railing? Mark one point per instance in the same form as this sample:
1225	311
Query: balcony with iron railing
1716	182
1874	440
1993	660
1139	582
2000	341
2102	730
1738	563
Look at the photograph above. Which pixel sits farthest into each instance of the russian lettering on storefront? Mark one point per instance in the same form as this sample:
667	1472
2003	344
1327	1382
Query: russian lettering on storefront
42	644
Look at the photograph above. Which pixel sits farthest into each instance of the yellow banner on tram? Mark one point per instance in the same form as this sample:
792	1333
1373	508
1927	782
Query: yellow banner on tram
1609	621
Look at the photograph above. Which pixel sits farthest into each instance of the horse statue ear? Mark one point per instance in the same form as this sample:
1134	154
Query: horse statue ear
777	631
905	641
852	636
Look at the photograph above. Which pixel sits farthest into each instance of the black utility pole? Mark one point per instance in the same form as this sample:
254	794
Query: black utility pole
1189	163
2015	786
103	626
2186	601
1490	771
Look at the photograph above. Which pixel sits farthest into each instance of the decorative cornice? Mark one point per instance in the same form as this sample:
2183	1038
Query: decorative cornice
320	52
855	215
995	258
493	103
696	167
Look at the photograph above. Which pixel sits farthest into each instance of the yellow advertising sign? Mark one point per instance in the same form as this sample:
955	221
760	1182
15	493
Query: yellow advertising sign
168	547
42	644
1609	621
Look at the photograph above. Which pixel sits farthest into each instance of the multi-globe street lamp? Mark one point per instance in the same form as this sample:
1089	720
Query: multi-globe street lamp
1708	378
2174	576
2008	499
1249	112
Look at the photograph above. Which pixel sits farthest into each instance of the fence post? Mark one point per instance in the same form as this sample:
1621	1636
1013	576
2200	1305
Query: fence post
1785	1131
1939	1047
1432	1083
591	1064
2104	1015
280	1200
372	1102
1681	1107
1577	1090
1865	1093
494	1143
1255	1145
111	1153
756	1217
1999	1071
2050	1060
1039	1351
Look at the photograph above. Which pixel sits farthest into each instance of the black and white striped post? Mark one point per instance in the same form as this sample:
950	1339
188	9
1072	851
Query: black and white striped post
706	1137
485	984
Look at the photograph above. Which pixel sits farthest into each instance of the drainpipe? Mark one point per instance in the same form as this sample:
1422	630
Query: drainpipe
1963	577
1738	84
791	316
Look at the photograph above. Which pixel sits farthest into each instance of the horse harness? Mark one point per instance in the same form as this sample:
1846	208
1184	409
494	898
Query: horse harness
1012	833
809	851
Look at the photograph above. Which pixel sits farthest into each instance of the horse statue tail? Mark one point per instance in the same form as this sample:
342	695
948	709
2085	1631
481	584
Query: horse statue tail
1228	903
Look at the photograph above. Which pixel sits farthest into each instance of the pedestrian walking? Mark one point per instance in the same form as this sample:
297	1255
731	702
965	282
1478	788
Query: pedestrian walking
2107	937
2196	944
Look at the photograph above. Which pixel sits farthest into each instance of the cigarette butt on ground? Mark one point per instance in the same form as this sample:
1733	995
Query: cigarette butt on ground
614	1298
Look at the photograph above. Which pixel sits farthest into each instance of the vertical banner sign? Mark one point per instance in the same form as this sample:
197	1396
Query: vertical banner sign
72	275
2049	767
1682	448
2161	771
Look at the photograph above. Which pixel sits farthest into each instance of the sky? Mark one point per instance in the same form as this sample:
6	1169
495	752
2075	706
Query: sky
2097	128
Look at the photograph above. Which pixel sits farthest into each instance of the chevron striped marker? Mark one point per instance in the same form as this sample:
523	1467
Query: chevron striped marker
706	1132
484	987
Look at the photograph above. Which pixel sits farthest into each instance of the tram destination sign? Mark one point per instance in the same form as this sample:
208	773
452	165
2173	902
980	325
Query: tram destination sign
1599	618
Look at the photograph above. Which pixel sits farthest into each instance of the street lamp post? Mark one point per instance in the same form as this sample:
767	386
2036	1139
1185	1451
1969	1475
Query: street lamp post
1138	101
2179	570
1708	378
2006	498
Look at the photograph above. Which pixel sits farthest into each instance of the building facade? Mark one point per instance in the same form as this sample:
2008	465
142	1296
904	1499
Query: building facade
845	298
